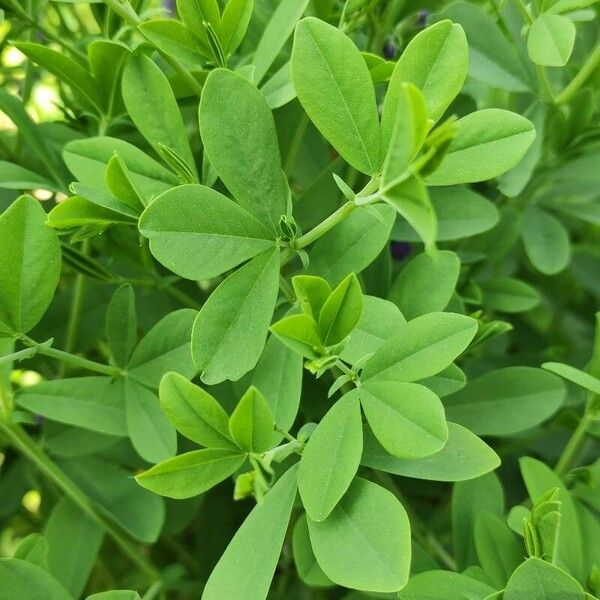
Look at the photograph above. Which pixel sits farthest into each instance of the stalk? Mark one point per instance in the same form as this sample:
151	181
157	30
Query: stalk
27	446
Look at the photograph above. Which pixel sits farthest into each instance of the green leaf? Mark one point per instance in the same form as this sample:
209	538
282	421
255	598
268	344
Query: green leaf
118	181
365	543
32	136
231	328
410	199
66	70
331	458
426	283
536	579
546	241
198	233
407	418
301	334
192	473
22	579
234	23
275	35
15	177
106	58
304	558
506	401
194	412
341	311
247	159
469	499
436	62
34	549
539	479
94	403
115	595
352	245
508	295
278	375
114	490
335	89
194	13
550	40
493	60
173	38
153	108
78	212
121	324
87	160
500	551
581	378
251	423
256	545
74	541
465	456
409	127
446	382
312	293
166	347
422	347
444	585
488	143
152	435
30	264
378	322
460	212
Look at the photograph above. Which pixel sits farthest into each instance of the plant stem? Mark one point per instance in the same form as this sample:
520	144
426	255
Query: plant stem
292	154
27	446
588	68
73	359
286	434
75	310
322	228
521	6
126	12
573	447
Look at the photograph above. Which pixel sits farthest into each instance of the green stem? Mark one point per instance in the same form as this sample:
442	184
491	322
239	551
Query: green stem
588	68
573	447
286	434
20	355
547	88
27	446
322	228
48	33
126	12
75	310
73	359
292	154
521	6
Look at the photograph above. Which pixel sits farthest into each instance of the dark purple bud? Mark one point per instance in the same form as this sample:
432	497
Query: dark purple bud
390	50
422	17
400	250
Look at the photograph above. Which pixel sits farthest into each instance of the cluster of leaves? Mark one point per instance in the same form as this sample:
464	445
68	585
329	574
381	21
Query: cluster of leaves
348	248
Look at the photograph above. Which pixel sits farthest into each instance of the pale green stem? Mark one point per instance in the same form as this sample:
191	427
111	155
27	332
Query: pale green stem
75	311
322	228
126	12
73	359
574	446
27	446
588	68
